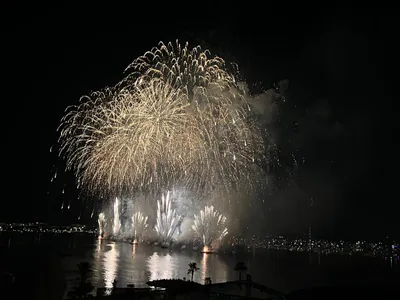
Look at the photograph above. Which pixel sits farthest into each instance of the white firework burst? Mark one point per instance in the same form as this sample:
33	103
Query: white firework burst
102	224
139	225
167	219
209	226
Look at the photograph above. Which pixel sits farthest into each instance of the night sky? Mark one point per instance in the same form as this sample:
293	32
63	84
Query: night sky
338	113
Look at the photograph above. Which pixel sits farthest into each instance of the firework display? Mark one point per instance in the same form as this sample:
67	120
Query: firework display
178	117
139	225
167	219
181	67
116	220
209	226
102	224
179	121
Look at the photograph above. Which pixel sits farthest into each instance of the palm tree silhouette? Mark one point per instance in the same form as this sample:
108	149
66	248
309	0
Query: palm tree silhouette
240	267
192	268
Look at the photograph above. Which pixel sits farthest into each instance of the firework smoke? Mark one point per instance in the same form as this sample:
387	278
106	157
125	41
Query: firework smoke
209	226
102	224
179	117
167	219
139	225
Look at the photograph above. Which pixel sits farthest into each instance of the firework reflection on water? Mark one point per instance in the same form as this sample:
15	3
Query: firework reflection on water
110	266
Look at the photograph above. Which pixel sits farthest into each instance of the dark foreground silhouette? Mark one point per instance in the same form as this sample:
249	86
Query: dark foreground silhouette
359	291
36	275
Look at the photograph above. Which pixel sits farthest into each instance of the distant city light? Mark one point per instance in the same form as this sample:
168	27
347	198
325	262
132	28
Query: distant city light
323	247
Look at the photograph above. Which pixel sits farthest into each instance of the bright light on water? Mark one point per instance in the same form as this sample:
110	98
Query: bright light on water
161	266
204	273
284	271
110	266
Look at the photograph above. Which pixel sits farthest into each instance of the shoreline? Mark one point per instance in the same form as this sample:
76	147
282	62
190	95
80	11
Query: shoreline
33	238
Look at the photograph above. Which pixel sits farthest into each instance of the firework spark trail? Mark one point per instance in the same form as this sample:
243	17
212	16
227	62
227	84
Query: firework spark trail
167	219
180	66
116	220
123	142
139	225
177	117
102	224
209	225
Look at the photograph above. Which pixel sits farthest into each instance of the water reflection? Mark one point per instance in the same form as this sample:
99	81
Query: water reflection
161	266
204	266
138	264
214	267
99	243
110	265
97	264
392	261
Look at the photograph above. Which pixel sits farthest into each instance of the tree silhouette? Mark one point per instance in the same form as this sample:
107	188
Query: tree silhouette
240	267
192	268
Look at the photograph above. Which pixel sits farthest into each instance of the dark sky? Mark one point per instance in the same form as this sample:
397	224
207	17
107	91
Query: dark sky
339	63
